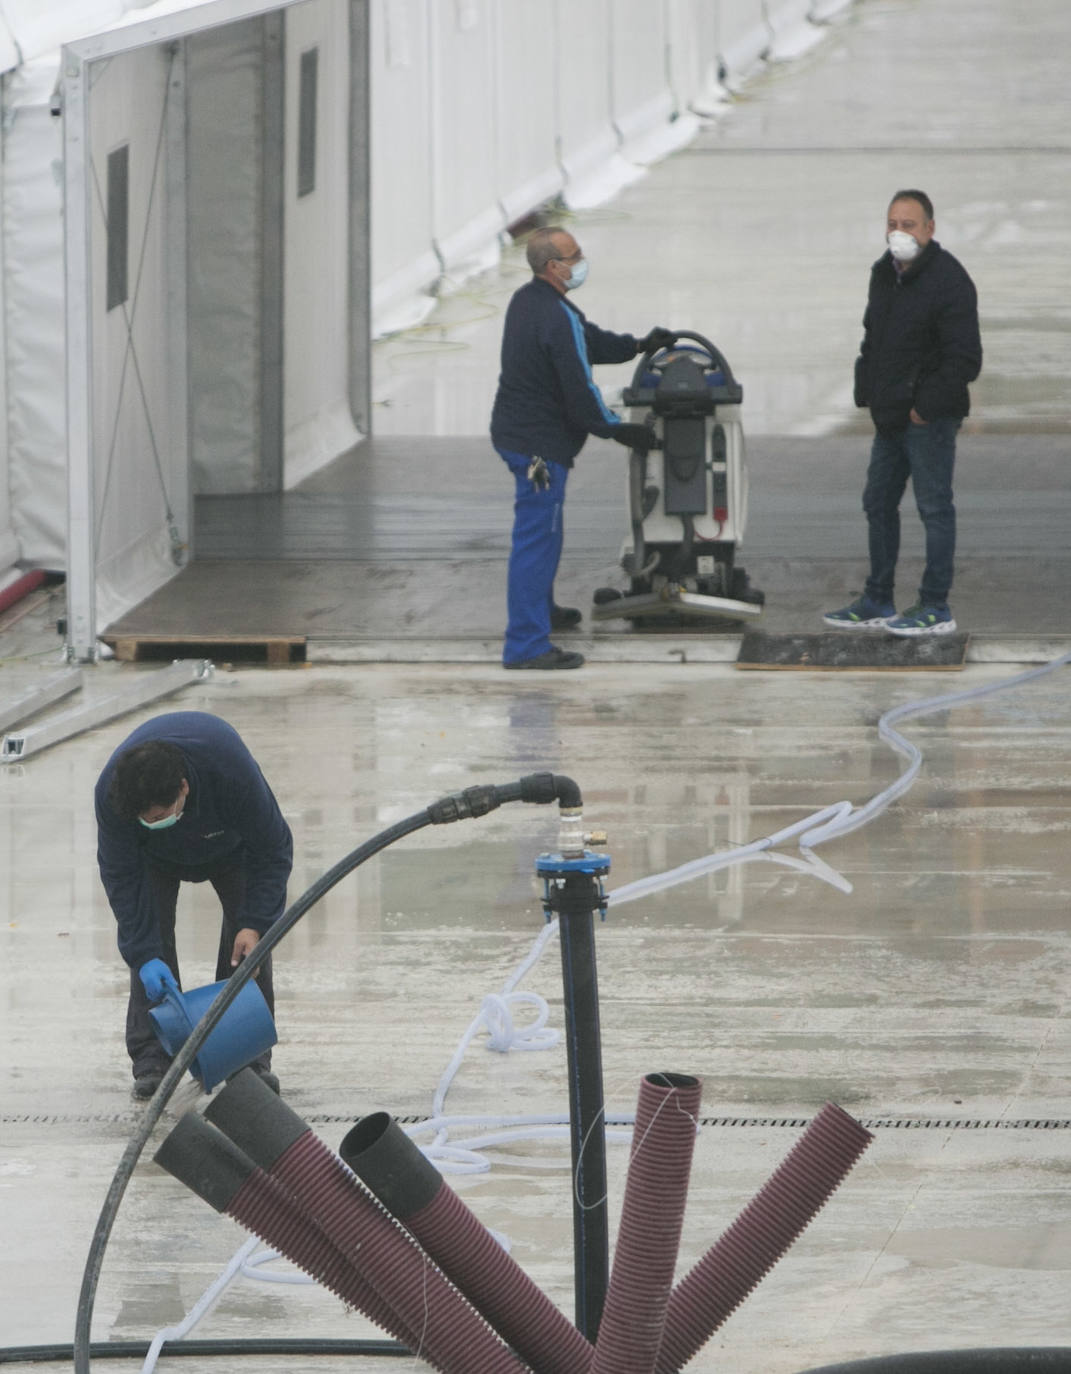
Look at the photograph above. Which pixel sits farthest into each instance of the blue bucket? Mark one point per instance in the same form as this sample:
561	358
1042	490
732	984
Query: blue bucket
245	1029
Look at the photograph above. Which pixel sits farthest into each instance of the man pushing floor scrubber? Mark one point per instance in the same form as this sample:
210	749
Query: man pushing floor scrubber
545	407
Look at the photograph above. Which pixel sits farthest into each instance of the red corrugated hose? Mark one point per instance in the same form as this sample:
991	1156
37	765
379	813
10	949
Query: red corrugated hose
793	1195
652	1215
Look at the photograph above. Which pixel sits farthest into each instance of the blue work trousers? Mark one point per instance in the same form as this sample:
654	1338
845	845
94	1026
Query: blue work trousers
533	558
926	454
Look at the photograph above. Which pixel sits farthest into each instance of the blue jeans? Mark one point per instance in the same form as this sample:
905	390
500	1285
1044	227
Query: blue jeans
534	555
926	454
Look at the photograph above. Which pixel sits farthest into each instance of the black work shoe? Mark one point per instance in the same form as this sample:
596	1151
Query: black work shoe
565	617
145	1084
553	658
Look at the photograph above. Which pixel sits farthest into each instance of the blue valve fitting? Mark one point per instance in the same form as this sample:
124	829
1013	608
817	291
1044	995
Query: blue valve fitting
563	895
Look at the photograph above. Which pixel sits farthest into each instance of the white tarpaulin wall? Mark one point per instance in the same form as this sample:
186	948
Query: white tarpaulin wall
236	136
482	110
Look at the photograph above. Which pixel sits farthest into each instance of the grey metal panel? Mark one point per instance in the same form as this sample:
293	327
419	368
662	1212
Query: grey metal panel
307	92
272	153
118	225
360	231
149	687
37	698
225	213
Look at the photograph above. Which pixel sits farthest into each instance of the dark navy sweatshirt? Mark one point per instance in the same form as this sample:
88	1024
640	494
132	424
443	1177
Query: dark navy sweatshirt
547	403
230	811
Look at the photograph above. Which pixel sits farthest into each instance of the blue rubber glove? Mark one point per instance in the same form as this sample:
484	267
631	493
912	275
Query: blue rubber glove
155	976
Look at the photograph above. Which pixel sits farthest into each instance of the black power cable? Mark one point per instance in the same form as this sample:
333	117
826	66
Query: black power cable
137	1350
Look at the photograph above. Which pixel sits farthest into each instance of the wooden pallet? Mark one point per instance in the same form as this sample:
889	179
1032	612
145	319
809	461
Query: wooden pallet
275	650
861	651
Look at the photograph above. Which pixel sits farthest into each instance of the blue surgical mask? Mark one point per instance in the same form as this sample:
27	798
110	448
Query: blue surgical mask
578	276
164	823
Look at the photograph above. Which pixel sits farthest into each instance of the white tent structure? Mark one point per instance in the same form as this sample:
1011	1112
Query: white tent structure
185	275
209	209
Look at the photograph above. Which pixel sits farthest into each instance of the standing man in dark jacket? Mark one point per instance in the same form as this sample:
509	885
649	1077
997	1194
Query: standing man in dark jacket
183	800
546	406
921	348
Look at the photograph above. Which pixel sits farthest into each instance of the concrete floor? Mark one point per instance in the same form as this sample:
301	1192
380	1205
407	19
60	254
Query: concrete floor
929	1000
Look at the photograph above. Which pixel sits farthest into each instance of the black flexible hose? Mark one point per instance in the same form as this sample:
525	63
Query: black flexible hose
1026	1359
137	1350
474	801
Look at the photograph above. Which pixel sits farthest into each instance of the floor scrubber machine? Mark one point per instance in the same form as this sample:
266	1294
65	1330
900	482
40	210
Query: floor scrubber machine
687	498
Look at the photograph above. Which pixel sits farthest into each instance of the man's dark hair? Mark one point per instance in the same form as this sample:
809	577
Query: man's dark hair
150	774
542	247
922	198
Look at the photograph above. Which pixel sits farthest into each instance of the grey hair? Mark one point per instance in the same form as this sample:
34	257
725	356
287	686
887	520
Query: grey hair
542	248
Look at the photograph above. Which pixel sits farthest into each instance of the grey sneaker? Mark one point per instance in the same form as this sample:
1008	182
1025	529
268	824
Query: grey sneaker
922	620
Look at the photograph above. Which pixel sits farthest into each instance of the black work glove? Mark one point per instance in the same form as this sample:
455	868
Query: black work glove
656	339
637	437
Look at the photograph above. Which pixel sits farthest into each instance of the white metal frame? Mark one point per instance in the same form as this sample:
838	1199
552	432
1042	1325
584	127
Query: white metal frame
18	745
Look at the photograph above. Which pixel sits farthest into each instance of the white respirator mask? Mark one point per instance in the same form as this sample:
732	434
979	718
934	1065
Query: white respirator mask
902	246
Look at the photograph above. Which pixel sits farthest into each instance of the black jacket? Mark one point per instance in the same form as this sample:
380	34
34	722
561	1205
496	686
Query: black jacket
547	402
230	811
921	344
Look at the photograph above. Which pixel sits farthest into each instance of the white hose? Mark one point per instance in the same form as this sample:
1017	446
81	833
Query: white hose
200	1307
841	818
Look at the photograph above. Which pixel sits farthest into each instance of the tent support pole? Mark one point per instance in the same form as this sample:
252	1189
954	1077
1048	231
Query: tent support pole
81	641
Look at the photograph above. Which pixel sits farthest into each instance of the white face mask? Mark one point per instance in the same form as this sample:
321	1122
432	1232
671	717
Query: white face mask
902	246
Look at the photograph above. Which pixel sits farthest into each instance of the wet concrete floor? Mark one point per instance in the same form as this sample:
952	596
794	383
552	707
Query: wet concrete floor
363	569
929	1000
920	980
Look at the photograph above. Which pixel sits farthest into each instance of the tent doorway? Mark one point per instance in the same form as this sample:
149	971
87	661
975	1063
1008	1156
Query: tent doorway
216	240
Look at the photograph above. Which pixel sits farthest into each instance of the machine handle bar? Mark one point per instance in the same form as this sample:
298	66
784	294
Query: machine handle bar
714	353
